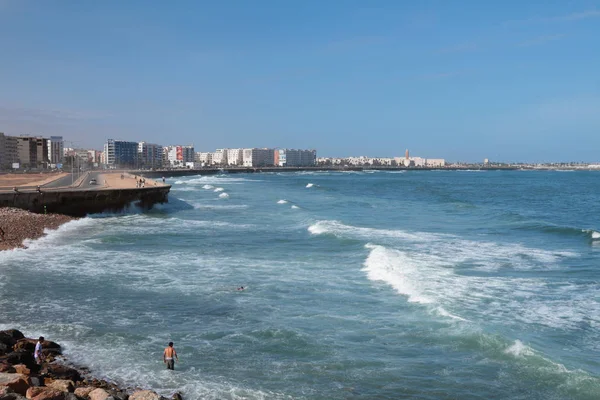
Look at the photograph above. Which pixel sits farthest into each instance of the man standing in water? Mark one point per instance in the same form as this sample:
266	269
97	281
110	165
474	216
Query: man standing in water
169	356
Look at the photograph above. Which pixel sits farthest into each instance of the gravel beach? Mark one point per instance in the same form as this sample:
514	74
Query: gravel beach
19	225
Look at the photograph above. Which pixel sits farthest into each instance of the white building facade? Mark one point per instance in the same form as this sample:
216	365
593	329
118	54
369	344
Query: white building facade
295	158
235	157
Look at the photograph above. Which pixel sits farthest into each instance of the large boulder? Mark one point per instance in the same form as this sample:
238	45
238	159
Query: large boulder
63	385
13	333
45	393
4	348
145	395
17	382
6	367
59	371
22	369
177	396
84	391
11	396
29	345
21	357
99	394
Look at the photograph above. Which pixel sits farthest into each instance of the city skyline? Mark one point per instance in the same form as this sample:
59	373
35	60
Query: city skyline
509	82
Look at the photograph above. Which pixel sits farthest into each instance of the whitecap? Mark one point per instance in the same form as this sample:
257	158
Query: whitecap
223	195
294	207
282	201
309	185
219	189
518	349
207	187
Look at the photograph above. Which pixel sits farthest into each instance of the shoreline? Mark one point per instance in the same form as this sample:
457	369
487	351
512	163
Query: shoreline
22	378
20	225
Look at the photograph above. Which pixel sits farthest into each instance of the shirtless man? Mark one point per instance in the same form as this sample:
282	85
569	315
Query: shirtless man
169	356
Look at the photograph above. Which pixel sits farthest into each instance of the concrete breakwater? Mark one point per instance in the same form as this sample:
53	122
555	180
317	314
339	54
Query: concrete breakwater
79	203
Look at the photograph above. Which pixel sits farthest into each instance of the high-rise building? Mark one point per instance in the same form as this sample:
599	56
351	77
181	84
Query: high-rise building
295	158
150	155
27	151
55	150
259	157
3	161
235	156
120	153
178	156
219	157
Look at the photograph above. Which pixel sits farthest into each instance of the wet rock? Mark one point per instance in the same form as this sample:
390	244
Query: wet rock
17	382
119	394
36	381
99	394
12	396
22	357
4	348
58	371
145	395
177	396
62	384
14	333
6	367
7	340
84	391
45	393
22	369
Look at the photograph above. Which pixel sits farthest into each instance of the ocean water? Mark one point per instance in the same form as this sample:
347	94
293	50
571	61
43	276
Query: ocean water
362	285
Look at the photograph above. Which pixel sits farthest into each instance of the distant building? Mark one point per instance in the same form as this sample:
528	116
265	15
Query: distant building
219	157
178	156
259	157
55	150
205	159
295	158
435	162
150	155
120	153
235	157
32	152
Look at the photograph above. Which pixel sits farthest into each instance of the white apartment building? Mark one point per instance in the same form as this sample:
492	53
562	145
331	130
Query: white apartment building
235	156
150	155
219	157
56	150
259	157
205	159
435	162
295	158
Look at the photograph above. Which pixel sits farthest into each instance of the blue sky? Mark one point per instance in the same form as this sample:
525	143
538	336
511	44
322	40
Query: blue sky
461	80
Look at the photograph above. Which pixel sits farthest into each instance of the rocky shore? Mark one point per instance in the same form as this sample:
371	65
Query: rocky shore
22	378
19	225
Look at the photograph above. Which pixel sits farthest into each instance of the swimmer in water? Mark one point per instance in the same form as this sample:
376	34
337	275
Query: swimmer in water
240	288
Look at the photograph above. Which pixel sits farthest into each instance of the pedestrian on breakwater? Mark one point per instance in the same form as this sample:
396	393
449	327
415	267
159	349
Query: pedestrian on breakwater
169	356
37	353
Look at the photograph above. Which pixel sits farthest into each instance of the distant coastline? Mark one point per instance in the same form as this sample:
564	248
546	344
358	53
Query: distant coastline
237	170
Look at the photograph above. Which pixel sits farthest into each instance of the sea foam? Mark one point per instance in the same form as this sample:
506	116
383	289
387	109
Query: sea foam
282	202
223	195
309	185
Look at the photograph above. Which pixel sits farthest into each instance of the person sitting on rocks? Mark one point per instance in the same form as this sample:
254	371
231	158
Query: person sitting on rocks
37	354
169	356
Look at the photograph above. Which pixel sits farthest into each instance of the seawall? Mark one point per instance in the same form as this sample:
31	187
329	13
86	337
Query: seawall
79	203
